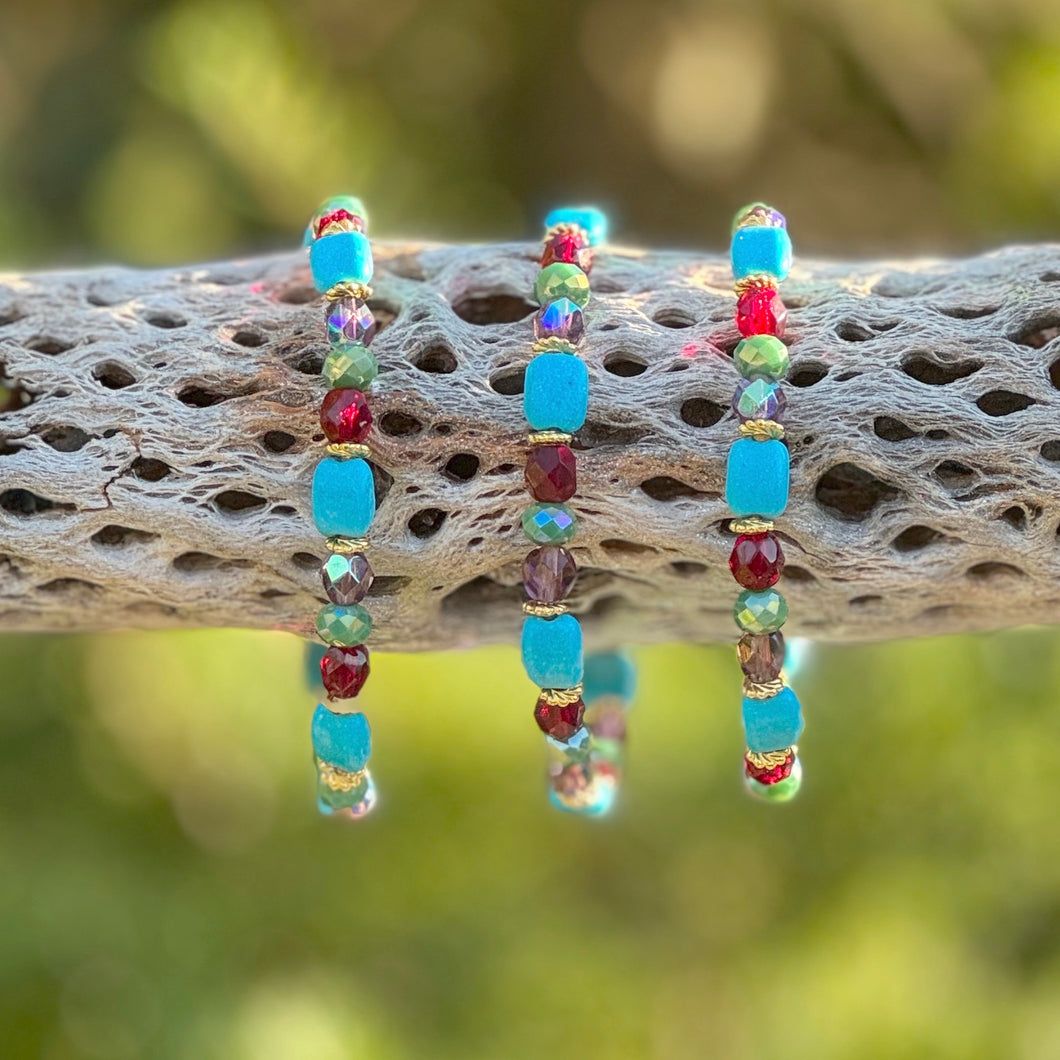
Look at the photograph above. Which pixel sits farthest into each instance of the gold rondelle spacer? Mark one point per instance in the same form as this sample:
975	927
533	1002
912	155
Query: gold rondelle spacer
767	690
769	759
761	430
751	525
342	224
566	228
552	345
756	279
549	437
338	779
540	610
561	697
348	450
349	290
346	545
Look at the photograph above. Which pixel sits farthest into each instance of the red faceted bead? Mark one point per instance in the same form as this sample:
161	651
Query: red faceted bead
769	775
757	560
559	722
551	473
570	247
345	415
335	217
759	311
344	671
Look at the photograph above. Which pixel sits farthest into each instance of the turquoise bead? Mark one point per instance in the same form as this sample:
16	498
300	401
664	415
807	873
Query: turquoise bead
761	249
344	257
343	497
591	219
552	651
772	724
556	392
756	479
341	740
608	673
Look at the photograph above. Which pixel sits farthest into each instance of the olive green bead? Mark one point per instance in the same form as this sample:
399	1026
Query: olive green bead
760	612
350	366
562	280
345	626
549	524
761	357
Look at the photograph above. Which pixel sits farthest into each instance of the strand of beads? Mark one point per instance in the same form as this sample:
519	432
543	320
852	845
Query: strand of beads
756	489
555	400
344	503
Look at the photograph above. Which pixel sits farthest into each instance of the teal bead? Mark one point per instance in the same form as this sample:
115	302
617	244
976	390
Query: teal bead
589	218
549	524
344	625
562	280
341	740
556	392
552	651
343	497
608	673
761	357
772	724
782	791
343	257
763	611
761	249
756	478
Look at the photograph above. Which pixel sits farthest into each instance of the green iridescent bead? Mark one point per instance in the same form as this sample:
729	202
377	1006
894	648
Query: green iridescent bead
334	800
350	366
782	791
760	612
757	213
761	357
549	524
562	280
345	626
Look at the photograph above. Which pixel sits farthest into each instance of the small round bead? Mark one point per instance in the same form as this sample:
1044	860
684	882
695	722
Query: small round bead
551	473
350	366
760	612
757	560
344	671
548	574
549	524
561	319
347	577
782	791
349	321
559	722
561	280
761	656
345	416
759	399
759	311
762	356
346	626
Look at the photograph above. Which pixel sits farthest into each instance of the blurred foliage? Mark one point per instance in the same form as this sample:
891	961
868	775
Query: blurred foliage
167	890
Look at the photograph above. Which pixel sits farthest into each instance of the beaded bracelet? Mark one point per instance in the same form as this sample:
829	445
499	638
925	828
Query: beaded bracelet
756	489
340	257
555	401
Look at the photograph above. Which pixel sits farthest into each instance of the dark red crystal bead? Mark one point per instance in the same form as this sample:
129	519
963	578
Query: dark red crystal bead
345	415
336	216
757	560
771	775
759	311
344	671
559	722
569	247
551	473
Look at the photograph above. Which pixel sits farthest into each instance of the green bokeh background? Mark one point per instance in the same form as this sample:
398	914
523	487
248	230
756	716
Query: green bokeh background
167	891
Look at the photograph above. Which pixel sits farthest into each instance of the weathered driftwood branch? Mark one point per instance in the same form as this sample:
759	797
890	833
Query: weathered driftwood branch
161	430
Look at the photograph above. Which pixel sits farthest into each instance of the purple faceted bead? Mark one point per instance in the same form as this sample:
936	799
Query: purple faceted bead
350	322
548	574
346	577
561	319
759	399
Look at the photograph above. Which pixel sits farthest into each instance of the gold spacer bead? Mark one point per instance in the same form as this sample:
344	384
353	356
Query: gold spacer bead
766	690
342	224
349	290
769	759
346	545
561	697
347	450
751	525
554	345
761	430
566	228
540	610
756	279
549	437
338	779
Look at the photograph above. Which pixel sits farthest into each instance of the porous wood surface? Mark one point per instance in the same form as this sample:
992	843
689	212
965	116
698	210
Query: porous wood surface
158	444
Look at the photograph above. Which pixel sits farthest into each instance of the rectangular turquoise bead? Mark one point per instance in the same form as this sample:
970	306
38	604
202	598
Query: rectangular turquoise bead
552	651
343	497
772	724
756	479
556	392
344	257
341	740
758	248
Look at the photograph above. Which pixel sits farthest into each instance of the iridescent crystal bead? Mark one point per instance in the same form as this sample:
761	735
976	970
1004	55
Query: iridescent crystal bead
561	280
759	399
760	612
761	656
349	321
344	625
761	355
350	366
585	789
548	574
561	319
549	524
350	795
758	213
347	577
339	804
